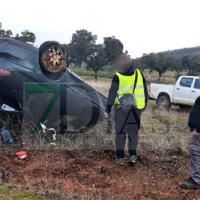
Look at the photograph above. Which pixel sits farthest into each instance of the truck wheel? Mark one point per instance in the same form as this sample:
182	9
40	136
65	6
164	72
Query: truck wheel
163	102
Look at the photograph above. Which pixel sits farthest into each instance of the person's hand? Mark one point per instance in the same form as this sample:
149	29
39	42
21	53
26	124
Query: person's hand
106	115
196	134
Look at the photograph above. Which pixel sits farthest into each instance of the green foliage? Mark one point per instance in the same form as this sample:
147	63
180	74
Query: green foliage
139	64
97	60
178	54
159	63
113	48
26	36
83	49
81	46
68	51
163	64
5	33
185	62
101	74
148	61
14	193
179	60
194	66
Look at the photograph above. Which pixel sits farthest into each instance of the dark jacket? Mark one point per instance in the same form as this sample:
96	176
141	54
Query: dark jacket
194	118
115	85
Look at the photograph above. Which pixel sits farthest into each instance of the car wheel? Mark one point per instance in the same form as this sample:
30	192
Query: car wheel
163	102
52	57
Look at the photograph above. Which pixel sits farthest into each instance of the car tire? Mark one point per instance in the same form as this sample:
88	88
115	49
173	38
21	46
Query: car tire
52	57
163	102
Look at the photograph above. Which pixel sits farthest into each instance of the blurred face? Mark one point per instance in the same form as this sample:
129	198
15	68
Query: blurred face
122	65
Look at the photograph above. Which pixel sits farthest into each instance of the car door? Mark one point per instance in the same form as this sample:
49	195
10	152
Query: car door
182	90
195	92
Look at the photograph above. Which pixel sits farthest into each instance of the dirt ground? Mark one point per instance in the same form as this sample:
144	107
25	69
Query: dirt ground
94	175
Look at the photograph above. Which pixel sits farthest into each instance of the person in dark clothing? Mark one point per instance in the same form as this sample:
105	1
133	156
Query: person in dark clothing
123	83
194	124
114	87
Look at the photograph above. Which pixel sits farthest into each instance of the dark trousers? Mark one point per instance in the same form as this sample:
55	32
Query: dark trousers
195	158
123	125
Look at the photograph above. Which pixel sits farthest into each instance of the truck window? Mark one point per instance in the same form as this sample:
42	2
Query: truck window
186	82
197	84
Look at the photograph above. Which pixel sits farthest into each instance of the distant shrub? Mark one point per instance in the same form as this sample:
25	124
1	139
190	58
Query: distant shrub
88	73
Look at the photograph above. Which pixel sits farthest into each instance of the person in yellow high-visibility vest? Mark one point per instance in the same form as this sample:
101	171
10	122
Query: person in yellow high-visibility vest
126	122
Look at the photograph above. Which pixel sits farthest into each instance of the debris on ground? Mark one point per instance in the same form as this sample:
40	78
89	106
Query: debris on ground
6	107
44	129
6	136
21	154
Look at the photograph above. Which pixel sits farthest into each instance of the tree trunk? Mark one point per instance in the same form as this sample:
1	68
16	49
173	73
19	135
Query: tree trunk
95	75
189	72
159	76
79	64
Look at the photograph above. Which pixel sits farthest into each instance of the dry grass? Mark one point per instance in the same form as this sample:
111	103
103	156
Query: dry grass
165	131
100	85
169	77
162	131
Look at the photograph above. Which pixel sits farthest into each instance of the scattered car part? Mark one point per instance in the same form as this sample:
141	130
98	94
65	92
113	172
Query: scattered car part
21	154
7	108
6	136
44	129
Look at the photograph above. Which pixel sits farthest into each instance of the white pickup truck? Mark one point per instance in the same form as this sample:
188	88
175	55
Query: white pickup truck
183	93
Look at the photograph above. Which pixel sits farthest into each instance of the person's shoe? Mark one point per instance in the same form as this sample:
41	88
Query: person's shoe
190	180
119	161
133	159
189	184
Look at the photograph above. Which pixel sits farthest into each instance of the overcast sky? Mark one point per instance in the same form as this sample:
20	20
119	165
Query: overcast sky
143	26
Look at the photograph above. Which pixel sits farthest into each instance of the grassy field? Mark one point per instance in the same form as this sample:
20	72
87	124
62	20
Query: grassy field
85	165
172	124
101	74
160	129
168	77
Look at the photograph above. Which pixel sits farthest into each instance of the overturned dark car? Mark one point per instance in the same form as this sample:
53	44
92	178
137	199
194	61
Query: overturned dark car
36	85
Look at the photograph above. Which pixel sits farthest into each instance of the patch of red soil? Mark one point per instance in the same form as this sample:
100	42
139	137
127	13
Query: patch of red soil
94	174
